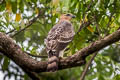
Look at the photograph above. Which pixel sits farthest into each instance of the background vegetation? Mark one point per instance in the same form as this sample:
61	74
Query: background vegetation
28	22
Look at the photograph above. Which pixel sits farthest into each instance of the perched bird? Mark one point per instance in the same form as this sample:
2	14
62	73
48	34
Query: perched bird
58	38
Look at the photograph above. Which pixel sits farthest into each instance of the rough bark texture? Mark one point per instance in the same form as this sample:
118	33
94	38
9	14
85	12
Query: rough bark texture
14	52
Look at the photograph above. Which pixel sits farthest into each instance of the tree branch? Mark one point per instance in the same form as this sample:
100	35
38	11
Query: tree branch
87	66
83	25
27	25
38	56
14	52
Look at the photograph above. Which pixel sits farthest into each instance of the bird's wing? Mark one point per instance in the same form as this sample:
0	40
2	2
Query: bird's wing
59	36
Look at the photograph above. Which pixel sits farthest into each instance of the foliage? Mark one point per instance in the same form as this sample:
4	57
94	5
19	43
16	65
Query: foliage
105	18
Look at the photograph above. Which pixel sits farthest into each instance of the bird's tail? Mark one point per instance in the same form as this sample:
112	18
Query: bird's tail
52	63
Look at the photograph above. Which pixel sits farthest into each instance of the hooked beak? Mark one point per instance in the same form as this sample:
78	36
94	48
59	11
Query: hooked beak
73	16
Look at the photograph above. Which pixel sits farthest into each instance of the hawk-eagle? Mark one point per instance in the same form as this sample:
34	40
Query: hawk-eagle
58	38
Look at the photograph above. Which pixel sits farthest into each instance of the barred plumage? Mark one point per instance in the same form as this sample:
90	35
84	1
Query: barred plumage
58	38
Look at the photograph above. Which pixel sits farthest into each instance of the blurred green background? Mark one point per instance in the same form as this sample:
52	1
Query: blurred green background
105	19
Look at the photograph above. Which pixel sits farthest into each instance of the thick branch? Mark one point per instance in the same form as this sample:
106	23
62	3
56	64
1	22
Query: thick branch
14	52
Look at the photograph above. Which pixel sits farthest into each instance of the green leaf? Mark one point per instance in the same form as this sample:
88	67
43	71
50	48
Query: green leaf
21	6
2	7
26	77
101	77
5	63
34	1
117	77
1	57
14	7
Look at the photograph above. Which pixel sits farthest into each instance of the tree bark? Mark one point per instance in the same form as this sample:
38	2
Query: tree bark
10	49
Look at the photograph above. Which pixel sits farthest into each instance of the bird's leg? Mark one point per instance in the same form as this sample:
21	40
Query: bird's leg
61	53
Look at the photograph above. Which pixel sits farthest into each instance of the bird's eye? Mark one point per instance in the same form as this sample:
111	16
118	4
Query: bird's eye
67	14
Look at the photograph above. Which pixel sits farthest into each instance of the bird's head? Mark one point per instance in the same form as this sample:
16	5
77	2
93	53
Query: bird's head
67	17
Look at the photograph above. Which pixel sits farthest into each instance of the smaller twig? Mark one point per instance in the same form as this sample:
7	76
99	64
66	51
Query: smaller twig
93	56
88	8
38	56
108	24
10	31
97	27
85	24
112	13
110	18
87	66
27	25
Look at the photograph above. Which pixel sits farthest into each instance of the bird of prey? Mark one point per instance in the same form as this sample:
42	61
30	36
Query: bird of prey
58	38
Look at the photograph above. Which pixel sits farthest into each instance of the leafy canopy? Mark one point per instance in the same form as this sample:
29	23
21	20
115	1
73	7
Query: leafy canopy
105	19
